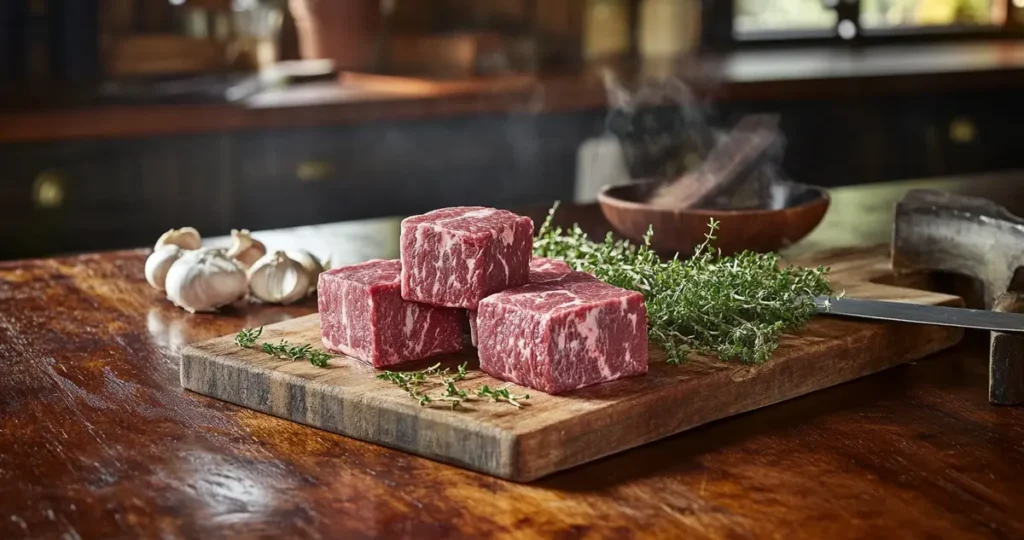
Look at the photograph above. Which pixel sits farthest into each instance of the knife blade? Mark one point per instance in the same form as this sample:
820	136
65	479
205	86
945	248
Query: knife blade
978	319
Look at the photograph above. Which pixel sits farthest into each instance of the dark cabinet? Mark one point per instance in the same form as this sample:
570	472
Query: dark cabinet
845	142
298	177
105	194
74	196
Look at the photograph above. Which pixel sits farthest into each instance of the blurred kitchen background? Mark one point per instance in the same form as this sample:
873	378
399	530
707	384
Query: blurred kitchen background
120	119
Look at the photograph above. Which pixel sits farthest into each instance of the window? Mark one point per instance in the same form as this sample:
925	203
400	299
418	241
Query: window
934	13
759	16
836	20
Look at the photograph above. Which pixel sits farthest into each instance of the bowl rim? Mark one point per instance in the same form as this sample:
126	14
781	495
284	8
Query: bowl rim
604	198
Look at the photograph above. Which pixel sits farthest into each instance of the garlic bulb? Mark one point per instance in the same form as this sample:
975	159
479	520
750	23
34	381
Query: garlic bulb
205	280
159	262
245	249
185	238
310	264
278	279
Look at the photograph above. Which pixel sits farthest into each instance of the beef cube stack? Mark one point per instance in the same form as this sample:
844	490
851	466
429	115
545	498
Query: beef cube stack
534	321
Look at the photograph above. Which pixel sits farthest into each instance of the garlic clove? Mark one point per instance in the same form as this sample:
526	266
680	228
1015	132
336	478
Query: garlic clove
185	238
310	264
245	248
278	279
159	262
205	280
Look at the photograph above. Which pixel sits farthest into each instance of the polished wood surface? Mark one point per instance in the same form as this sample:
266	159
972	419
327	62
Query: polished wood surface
98	439
554	433
760	75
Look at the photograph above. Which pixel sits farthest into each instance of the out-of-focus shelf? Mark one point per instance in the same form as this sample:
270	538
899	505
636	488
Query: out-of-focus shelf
755	75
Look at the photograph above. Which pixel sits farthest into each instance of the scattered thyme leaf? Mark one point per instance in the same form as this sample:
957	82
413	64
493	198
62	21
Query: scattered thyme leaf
318	358
412	383
502	394
733	307
247	337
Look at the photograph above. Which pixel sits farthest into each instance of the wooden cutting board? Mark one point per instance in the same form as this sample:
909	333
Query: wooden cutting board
552	433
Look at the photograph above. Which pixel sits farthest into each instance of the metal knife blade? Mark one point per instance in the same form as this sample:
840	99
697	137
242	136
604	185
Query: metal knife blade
979	319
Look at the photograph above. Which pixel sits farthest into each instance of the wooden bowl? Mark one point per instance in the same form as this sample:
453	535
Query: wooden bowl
792	213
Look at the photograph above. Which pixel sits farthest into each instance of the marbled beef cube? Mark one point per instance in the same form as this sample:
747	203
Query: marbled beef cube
564	334
455	257
362	314
541	269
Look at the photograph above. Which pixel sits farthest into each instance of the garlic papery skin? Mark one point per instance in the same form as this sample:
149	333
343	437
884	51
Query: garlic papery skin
278	279
186	238
245	249
205	280
159	262
310	264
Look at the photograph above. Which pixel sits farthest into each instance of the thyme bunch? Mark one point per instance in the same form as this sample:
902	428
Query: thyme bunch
733	307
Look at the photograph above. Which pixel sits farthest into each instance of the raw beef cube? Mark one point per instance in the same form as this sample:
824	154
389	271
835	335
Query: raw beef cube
563	334
455	257
541	270
362	314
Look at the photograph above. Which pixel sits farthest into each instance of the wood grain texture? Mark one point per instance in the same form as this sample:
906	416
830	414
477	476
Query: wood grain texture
553	433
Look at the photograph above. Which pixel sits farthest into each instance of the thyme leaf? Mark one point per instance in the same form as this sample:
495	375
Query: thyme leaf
413	383
247	338
502	394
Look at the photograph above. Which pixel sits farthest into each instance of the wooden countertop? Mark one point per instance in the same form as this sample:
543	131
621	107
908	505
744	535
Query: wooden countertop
804	73
97	438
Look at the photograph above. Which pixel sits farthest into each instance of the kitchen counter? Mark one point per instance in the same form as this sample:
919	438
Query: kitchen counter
97	438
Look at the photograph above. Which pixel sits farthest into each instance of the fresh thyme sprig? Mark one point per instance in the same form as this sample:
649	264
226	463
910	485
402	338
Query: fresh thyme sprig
501	394
412	382
247	337
734	307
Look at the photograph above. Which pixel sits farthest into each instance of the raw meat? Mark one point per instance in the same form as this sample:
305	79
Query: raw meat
362	314
455	257
563	334
541	270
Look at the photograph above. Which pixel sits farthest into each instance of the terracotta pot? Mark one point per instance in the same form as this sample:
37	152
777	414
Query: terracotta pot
345	31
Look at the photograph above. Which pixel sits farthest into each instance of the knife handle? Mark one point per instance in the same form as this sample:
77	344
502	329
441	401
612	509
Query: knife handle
1006	357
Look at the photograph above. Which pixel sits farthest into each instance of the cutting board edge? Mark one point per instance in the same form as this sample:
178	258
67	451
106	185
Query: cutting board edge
501	445
506	457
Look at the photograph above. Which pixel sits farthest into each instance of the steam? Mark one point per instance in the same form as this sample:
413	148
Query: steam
661	126
664	132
